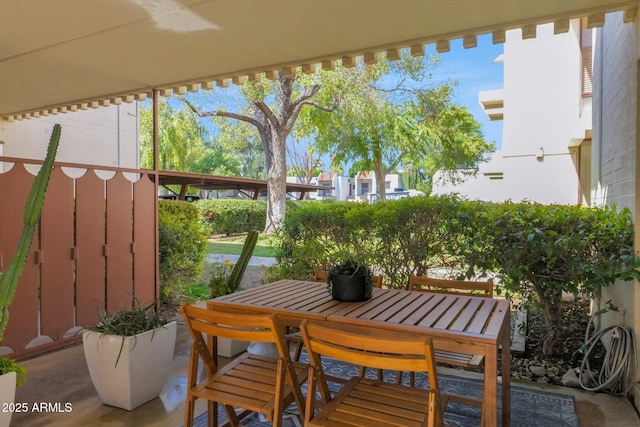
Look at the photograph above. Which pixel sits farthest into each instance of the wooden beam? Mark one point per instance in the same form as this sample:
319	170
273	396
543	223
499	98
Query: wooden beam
561	26
328	64
443	46
348	61
595	20
470	41
529	31
417	50
393	54
499	36
370	58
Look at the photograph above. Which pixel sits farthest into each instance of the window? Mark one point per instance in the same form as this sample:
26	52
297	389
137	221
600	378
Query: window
364	188
586	45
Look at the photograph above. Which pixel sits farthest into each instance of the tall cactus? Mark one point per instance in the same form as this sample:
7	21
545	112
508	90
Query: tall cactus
32	209
238	270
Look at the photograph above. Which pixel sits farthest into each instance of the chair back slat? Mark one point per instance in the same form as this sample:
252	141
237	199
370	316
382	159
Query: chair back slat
369	347
376	348
461	287
321	276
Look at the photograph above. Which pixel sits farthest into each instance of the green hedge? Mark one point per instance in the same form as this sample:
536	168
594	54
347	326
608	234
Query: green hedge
536	250
411	235
182	247
228	216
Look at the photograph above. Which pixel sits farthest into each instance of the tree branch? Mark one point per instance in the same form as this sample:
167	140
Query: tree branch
266	111
219	113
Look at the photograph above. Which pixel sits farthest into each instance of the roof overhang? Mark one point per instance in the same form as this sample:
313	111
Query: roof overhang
61	55
217	182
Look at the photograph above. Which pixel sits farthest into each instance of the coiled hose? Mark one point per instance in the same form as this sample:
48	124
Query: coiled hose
617	375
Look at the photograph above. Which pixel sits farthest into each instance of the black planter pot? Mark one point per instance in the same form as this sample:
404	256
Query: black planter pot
345	287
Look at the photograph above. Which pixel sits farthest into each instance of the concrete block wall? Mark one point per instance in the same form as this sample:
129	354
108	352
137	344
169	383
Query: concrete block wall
105	136
615	145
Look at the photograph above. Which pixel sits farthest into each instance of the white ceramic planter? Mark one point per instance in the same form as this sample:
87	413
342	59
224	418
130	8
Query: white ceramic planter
141	371
7	397
229	348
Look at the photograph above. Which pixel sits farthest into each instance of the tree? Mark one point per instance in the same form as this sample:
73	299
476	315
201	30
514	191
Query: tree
241	139
305	162
182	144
273	108
388	115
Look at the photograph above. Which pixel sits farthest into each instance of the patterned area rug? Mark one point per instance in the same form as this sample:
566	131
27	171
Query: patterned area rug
529	407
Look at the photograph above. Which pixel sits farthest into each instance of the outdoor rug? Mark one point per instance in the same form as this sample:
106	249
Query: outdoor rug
529	407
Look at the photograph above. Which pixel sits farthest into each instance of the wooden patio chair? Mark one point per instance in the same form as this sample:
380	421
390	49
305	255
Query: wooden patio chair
321	275
364	401
252	382
462	287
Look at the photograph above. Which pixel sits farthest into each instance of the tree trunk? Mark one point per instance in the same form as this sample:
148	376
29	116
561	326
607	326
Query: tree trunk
550	302
378	171
276	182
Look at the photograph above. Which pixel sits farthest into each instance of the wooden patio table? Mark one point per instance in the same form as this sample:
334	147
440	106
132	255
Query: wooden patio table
465	324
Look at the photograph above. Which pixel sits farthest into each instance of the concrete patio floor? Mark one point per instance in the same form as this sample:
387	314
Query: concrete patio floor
62	377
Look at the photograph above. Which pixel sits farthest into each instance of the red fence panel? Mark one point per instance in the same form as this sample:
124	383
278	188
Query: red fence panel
23	313
144	238
119	240
90	241
97	245
57	280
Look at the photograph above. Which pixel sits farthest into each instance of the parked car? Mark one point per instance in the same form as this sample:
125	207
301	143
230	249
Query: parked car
188	197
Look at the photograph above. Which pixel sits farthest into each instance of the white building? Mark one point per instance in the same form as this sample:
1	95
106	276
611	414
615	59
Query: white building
105	136
365	184
342	186
545	106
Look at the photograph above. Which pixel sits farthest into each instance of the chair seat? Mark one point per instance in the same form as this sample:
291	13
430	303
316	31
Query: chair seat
249	382
363	401
459	359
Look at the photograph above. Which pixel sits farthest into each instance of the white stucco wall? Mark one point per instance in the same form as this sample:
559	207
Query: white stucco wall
106	136
614	146
543	108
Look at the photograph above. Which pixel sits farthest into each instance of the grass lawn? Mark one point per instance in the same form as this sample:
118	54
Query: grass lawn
233	246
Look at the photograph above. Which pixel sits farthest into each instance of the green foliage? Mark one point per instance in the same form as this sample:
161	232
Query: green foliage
395	113
32	209
396	238
9	365
182	247
226	216
130	322
536	250
182	144
555	249
349	265
219	279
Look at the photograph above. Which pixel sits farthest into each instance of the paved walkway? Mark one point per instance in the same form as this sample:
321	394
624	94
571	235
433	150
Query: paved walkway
256	261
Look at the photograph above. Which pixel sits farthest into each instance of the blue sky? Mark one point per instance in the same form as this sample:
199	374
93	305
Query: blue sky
475	71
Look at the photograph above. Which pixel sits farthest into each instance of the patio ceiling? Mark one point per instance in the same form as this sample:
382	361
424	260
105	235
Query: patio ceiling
60	55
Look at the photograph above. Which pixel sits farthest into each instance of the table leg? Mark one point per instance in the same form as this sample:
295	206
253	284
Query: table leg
506	372
490	394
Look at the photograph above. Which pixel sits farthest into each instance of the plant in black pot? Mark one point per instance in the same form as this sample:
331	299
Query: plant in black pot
350	280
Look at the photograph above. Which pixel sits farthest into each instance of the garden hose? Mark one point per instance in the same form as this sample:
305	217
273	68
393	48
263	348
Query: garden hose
617	375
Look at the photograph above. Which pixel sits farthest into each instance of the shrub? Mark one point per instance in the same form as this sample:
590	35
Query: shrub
553	249
228	216
182	248
534	248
